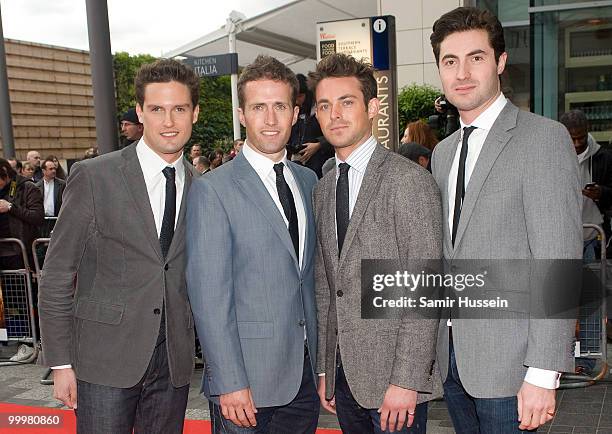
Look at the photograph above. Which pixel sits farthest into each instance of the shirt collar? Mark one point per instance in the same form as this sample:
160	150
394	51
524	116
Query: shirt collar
360	157
486	119
152	164
262	165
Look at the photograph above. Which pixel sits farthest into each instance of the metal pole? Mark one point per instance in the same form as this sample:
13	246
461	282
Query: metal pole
102	76
6	123
231	35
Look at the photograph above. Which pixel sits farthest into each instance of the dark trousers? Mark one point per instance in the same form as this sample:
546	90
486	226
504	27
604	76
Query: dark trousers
478	415
354	419
153	405
299	416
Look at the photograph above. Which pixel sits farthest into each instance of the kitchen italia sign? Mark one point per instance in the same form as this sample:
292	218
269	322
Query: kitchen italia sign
373	40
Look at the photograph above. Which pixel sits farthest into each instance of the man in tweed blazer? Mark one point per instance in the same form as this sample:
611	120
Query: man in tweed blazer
373	372
520	200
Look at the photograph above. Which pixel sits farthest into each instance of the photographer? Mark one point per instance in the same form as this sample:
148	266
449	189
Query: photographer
447	120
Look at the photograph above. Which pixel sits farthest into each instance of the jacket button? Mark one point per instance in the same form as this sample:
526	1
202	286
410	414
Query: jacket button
302	323
166	267
156	311
339	293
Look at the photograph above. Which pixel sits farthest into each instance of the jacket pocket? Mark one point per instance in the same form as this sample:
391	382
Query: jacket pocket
99	311
255	329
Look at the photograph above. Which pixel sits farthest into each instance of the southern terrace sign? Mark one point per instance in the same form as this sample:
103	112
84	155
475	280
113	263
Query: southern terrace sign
214	66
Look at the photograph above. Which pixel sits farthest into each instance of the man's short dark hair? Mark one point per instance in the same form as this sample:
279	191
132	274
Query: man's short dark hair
463	19
6	171
267	68
165	71
574	119
201	160
45	161
339	65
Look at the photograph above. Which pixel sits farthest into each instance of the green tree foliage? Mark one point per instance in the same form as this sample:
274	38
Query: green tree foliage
416	102
214	126
125	68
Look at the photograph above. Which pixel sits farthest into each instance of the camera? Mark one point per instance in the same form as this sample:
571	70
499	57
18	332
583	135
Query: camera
446	121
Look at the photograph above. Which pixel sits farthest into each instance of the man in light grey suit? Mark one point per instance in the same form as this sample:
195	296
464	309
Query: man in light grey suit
510	190
115	320
250	269
376	374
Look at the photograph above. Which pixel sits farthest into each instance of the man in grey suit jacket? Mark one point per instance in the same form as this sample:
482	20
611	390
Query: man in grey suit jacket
115	320
373	205
510	190
250	269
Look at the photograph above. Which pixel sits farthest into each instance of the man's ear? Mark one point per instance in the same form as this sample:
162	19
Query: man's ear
373	106
139	112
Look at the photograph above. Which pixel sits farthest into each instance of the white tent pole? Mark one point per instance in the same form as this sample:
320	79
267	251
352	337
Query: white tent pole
231	35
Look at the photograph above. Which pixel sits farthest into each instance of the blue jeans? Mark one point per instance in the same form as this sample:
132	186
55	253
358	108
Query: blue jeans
300	416
478	415
355	419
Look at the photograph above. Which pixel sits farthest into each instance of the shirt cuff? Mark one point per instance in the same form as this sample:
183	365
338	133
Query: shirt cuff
62	367
543	378
322	374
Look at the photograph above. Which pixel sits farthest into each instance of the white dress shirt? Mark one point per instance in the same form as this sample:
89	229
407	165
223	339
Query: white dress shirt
483	123
265	170
49	199
155	181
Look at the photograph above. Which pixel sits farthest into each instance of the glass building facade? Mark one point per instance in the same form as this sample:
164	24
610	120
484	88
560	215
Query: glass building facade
560	58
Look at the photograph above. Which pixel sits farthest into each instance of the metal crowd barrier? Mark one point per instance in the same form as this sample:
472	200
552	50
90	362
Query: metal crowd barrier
592	316
16	286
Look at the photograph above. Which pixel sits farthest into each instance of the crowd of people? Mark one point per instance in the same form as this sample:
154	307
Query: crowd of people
260	250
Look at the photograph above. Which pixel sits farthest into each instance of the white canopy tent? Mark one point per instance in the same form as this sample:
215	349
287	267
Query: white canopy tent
287	32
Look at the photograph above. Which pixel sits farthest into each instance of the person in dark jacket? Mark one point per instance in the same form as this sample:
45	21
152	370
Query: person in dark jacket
307	143
595	163
21	214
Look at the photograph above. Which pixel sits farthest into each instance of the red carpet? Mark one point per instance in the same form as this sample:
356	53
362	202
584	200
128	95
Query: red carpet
68	422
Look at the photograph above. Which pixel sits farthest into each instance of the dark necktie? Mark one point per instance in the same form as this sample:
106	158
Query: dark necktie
167	228
286	199
460	188
342	204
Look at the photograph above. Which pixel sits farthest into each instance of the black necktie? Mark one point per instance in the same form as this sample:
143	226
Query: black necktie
286	199
342	204
167	228
460	188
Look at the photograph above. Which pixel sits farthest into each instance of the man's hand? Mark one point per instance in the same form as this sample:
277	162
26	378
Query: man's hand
327	405
536	406
310	149
398	407
4	206
592	192
65	386
239	407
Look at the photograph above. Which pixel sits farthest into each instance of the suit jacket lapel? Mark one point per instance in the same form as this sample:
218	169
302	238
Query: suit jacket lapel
446	161
254	189
328	235
496	140
370	181
135	184
307	202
